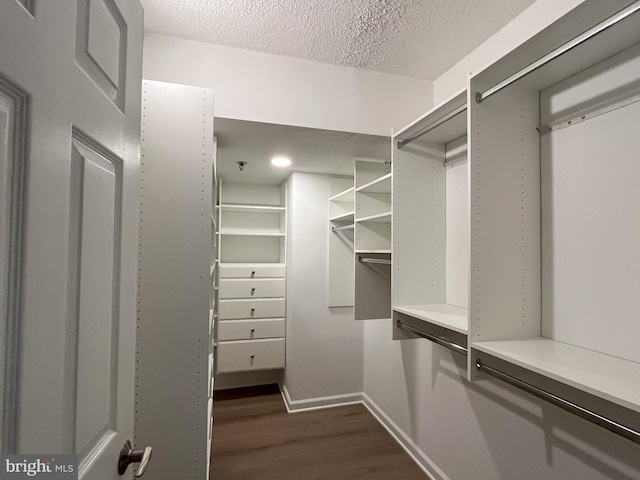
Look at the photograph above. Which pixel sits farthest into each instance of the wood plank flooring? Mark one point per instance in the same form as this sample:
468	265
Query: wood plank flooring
255	438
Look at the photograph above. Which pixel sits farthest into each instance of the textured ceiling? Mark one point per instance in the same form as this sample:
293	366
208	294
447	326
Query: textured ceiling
310	150
415	38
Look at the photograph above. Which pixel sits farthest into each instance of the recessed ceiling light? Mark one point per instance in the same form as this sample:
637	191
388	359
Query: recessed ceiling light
280	162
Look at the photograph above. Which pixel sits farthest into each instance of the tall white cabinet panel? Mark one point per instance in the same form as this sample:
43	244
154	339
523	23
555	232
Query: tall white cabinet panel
252	278
173	360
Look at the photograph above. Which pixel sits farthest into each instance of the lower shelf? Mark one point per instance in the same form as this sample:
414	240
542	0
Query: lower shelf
444	315
611	378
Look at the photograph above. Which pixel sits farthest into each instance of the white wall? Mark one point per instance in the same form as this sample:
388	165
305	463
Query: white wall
273	89
535	18
486	430
324	345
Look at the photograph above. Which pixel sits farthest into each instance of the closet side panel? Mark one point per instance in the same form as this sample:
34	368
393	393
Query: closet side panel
173	286
418	227
504	177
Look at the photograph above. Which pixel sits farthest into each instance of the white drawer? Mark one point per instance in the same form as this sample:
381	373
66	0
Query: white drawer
252	270
251	288
250	329
250	355
259	308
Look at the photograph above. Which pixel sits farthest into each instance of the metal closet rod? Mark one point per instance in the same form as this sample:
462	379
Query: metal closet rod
345	227
432	126
571	407
381	261
592	32
440	341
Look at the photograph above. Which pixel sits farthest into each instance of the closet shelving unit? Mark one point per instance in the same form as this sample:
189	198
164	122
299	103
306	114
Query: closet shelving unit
252	277
372	275
555	209
341	242
431	227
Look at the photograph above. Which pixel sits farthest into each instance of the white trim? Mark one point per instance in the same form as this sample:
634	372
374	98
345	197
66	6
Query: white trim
425	463
295	406
414	451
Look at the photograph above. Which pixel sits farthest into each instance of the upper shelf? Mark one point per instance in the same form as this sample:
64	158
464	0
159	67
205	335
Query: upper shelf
345	217
251	234
252	208
441	124
444	315
379	185
345	196
611	378
378	218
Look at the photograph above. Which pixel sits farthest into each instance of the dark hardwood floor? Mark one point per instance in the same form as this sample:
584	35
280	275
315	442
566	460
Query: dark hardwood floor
255	438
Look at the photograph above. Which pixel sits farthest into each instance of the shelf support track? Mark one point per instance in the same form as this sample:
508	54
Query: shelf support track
440	341
560	402
561	50
381	261
345	227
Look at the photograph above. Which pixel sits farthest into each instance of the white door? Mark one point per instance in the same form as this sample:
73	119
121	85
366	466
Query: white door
70	79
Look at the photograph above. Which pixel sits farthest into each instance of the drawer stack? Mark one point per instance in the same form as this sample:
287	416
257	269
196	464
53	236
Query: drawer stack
251	313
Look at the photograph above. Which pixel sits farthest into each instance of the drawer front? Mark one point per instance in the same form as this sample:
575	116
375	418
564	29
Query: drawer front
243	270
250	355
265	308
251	288
250	329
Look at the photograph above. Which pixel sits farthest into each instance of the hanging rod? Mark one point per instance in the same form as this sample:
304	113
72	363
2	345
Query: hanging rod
381	261
433	125
571	407
345	227
440	341
592	32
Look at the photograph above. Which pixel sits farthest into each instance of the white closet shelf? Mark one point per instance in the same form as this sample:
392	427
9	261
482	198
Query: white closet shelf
251	208
344	217
372	251
345	196
384	217
249	265
447	316
611	378
252	234
379	185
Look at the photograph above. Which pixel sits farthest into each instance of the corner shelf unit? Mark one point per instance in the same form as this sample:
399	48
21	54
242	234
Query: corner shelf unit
372	198
251	306
341	242
431	226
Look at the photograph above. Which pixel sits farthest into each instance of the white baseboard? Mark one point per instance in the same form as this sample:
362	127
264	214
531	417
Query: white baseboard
409	446
295	406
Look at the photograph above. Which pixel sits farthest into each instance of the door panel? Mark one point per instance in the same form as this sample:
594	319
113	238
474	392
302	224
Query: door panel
101	46
75	325
12	137
97	323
